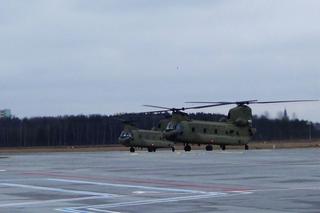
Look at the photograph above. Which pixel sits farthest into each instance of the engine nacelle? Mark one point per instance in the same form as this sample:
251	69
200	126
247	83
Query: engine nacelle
240	115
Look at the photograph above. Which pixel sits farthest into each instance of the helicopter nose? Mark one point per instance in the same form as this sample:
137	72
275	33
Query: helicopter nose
170	134
125	141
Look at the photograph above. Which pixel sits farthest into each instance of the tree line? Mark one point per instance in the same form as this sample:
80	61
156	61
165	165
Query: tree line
103	130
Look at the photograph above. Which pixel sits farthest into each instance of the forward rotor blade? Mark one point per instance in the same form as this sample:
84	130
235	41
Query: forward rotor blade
165	109
159	107
207	106
208	102
157	111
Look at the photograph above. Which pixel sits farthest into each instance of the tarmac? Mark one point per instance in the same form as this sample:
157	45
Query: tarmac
286	180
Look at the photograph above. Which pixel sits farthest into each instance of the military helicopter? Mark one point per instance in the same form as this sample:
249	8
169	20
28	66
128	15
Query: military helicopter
235	130
153	139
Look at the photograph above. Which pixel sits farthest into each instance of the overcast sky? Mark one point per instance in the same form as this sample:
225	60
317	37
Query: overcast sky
61	57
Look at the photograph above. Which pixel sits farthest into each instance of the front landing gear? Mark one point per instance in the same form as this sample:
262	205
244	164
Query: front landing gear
173	149
246	147
209	147
187	148
132	149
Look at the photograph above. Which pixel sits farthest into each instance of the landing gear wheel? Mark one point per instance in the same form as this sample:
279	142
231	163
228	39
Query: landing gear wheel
132	149
246	147
173	149
223	147
209	147
187	148
151	149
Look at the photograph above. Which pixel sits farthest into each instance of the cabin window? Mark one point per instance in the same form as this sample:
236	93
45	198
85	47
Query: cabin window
227	132
193	129
204	130
231	131
215	131
237	133
159	126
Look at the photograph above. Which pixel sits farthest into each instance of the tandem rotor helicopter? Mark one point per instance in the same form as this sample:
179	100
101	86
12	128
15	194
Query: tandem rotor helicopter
133	137
235	130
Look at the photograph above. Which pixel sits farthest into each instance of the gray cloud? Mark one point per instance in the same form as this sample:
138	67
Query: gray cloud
70	57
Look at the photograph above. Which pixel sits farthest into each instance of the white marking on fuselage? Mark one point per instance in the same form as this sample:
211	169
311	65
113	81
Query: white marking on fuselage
130	186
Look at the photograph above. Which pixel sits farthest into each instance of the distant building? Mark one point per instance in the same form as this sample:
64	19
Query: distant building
5	113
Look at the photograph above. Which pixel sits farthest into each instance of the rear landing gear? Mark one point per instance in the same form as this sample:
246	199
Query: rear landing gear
132	149
246	147
209	147
173	149
187	148
151	149
223	147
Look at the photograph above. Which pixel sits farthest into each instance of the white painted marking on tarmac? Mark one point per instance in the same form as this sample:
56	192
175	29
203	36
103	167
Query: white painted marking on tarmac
130	186
70	210
3	170
145	192
102	210
97	208
154	201
50	201
58	190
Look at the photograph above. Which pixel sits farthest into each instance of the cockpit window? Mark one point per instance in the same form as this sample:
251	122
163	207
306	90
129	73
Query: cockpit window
125	134
171	126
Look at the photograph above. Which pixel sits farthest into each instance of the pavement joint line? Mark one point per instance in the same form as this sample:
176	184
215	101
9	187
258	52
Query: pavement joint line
106	195
49	201
137	181
129	186
286	189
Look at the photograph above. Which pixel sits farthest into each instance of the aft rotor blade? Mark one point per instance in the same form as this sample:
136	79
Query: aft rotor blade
240	103
287	101
221	102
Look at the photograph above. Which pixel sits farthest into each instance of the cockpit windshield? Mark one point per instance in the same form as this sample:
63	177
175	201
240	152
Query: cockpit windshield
125	134
171	126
